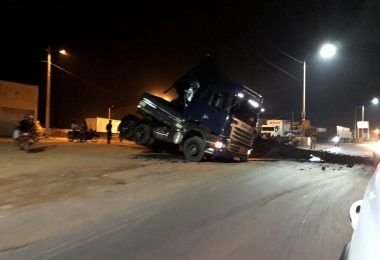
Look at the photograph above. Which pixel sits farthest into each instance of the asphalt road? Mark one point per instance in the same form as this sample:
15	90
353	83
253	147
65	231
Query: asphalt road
168	209
356	149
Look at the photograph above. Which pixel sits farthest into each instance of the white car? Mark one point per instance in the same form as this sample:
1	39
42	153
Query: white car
365	220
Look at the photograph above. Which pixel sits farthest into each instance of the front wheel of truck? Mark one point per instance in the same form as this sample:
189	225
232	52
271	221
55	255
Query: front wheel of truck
142	134
193	149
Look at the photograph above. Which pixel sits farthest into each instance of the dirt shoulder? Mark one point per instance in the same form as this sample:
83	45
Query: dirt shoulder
59	170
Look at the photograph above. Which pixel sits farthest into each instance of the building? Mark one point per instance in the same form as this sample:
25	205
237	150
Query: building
16	100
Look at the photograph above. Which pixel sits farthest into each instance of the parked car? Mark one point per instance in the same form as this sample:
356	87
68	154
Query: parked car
365	220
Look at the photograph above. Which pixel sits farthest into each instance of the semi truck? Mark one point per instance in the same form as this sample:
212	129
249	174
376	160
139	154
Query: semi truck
274	128
211	117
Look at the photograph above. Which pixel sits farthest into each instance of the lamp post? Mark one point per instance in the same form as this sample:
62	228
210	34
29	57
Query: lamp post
48	89
374	101
327	51
109	111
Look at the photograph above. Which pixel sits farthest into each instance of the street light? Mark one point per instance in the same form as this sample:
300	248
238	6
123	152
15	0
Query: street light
48	89
327	51
374	101
63	52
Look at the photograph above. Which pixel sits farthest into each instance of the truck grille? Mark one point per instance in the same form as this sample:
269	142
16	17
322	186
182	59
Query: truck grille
241	137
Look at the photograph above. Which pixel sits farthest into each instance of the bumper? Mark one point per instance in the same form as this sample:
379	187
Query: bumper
227	155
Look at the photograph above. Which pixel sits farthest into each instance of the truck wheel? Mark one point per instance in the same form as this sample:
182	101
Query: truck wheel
141	134
193	149
128	130
126	127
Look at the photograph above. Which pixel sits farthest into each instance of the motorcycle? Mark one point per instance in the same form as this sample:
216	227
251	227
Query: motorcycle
23	139
82	136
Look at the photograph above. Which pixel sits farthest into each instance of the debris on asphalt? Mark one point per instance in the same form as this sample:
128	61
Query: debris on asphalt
270	149
315	159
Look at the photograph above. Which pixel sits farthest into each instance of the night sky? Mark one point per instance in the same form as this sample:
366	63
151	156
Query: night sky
120	51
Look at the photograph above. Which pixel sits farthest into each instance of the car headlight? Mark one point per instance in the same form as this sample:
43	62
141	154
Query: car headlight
376	147
218	145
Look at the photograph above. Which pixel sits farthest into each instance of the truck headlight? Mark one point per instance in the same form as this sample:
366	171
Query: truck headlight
218	145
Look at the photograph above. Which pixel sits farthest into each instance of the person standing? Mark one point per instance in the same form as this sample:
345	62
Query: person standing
109	131
313	141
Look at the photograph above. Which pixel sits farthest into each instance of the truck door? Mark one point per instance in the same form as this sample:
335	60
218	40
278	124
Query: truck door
210	109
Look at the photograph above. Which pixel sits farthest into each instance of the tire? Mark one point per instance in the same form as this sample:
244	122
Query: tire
142	134
25	146
193	149
126	130
94	139
70	136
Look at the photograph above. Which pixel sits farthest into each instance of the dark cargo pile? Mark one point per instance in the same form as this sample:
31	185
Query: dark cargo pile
270	149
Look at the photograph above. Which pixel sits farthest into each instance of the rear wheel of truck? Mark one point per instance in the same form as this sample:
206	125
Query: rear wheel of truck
126	127
142	134
193	149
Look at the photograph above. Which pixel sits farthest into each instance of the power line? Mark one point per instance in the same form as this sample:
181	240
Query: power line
278	49
267	62
83	80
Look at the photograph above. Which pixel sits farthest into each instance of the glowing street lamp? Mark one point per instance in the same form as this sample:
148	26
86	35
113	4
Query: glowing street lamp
375	101
48	89
327	51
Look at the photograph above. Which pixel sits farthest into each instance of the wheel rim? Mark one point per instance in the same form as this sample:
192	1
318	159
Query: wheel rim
192	149
140	134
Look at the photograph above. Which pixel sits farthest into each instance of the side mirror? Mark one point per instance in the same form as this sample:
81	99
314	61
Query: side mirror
354	213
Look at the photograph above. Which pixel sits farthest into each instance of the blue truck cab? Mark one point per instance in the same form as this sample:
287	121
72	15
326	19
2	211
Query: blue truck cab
209	118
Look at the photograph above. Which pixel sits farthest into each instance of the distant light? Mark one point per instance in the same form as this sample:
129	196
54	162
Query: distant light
218	145
253	103
336	139
63	52
240	95
376	147
328	50
262	110
377	131
375	101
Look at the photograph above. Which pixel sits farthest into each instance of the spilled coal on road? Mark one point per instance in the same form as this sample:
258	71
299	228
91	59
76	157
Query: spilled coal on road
270	149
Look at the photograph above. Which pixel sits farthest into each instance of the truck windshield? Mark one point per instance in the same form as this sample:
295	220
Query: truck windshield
244	111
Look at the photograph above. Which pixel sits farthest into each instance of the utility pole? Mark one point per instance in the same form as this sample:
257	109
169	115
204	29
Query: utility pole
109	111
303	113
48	90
